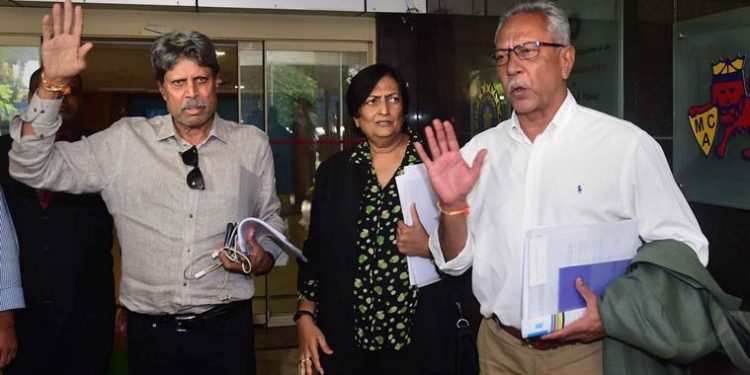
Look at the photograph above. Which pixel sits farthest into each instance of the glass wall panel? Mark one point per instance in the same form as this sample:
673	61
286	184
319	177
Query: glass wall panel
17	63
711	113
596	32
297	96
251	82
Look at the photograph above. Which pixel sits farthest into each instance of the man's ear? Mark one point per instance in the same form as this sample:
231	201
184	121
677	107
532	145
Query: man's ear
161	90
567	58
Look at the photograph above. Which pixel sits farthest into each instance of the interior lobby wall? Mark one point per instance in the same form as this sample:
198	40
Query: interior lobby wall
649	103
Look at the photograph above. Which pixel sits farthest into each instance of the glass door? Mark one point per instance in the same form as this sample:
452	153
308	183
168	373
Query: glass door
298	91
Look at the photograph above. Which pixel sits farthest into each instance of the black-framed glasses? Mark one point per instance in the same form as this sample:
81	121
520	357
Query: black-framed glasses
524	51
194	177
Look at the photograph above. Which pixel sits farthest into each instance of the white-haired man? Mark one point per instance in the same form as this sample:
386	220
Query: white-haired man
553	163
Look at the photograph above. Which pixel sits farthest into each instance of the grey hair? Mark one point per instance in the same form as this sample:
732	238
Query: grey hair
557	20
168	49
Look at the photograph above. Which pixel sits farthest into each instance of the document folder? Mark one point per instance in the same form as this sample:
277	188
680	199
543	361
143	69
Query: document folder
555	256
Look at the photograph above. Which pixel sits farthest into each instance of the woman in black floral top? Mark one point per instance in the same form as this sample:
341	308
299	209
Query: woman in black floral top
356	305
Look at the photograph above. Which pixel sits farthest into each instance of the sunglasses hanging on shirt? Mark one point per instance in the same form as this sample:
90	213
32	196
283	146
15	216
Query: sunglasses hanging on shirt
194	177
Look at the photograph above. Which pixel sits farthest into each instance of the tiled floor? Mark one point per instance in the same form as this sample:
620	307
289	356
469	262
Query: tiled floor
276	350
277	361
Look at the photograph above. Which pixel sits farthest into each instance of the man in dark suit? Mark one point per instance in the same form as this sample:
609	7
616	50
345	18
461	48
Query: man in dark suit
65	245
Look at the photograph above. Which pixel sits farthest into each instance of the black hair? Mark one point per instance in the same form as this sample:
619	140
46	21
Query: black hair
364	82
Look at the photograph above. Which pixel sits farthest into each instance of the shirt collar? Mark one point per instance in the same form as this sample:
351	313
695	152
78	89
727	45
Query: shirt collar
217	131
556	126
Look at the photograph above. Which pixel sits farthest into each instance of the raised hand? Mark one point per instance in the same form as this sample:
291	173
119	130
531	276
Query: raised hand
451	177
63	56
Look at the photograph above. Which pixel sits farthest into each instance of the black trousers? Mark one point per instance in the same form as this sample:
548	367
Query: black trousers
217	342
433	350
55	343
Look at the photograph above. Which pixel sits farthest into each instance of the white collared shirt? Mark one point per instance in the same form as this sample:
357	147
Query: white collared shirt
586	167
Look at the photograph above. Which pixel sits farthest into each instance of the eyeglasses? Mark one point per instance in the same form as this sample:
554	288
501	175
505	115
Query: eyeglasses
524	51
195	177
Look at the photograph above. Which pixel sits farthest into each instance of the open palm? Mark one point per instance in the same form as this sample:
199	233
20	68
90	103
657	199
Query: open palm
451	177
63	56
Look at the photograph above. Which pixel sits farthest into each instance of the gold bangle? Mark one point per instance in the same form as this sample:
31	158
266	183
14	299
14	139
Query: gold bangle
55	86
464	211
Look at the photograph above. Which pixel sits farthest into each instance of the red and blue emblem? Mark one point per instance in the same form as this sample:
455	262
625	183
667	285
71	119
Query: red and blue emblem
728	110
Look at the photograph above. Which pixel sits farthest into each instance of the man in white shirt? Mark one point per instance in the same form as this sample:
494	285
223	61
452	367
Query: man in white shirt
553	163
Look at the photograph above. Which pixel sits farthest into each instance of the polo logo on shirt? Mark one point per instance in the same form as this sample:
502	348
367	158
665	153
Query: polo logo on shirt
728	108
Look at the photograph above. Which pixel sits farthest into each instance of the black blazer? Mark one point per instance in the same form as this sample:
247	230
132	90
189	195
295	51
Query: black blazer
331	249
330	246
65	251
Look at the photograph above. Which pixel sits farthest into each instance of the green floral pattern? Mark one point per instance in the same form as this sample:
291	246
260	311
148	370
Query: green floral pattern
384	302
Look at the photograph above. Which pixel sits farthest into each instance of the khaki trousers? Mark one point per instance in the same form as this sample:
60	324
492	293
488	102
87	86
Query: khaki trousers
500	353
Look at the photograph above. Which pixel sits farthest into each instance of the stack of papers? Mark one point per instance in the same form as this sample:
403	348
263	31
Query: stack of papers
414	188
555	256
263	229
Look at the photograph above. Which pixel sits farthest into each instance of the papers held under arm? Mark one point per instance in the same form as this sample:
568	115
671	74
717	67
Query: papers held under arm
414	188
264	229
555	256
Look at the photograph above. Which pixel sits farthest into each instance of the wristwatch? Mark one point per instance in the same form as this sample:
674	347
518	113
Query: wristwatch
299	314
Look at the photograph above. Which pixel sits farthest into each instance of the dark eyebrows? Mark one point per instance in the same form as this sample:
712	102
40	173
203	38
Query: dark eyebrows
185	79
387	95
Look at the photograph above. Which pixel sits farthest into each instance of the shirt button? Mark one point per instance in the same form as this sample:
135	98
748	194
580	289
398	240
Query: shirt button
184	284
190	216
188	250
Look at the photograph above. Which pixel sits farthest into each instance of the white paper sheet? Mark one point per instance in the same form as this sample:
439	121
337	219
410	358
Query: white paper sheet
414	187
262	228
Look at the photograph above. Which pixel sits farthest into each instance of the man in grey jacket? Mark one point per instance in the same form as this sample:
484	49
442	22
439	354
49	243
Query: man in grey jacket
171	183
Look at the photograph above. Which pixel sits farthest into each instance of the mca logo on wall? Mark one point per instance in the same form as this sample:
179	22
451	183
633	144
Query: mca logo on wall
727	113
711	116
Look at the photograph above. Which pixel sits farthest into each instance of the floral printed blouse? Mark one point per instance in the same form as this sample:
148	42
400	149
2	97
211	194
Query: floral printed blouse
384	301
